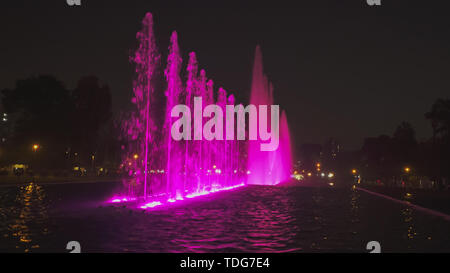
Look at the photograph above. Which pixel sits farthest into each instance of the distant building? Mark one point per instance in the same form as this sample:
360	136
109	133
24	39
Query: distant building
5	128
331	148
310	154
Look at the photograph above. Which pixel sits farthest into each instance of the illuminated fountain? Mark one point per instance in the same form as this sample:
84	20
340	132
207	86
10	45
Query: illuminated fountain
267	167
163	170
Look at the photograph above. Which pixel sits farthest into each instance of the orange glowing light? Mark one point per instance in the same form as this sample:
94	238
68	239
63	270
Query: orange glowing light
35	147
354	171
135	156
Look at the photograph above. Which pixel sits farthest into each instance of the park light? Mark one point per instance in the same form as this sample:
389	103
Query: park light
298	176
35	147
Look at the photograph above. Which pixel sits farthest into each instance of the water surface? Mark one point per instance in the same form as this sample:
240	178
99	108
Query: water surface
43	218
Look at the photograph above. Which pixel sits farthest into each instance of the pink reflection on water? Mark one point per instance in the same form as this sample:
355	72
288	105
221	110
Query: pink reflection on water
122	199
151	205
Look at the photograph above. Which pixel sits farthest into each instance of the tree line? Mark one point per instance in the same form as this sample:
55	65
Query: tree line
389	158
49	126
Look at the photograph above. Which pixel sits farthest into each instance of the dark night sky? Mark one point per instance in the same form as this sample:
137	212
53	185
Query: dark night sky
340	68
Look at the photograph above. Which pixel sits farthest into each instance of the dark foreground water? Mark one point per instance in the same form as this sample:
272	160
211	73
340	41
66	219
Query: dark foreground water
43	218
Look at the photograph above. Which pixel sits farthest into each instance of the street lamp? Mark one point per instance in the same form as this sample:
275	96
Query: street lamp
407	169
135	156
354	171
93	163
35	148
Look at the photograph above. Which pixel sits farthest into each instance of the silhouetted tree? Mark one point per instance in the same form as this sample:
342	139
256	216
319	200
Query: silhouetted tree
440	118
92	110
440	122
41	106
60	122
404	144
378	157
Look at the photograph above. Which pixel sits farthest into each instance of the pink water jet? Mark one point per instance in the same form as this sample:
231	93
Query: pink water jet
267	167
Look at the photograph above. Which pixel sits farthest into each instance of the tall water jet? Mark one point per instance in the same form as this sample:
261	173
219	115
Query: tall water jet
173	93
267	167
191	155
139	127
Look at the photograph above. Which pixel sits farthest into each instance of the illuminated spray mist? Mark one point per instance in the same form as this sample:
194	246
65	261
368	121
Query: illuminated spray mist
138	128
267	167
164	170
